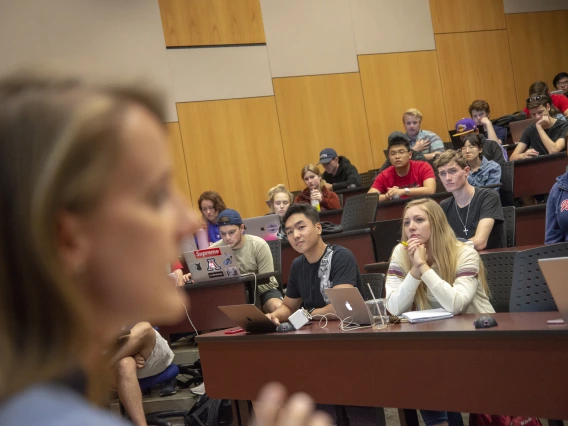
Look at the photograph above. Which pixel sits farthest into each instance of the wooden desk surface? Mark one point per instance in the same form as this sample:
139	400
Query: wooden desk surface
537	175
518	367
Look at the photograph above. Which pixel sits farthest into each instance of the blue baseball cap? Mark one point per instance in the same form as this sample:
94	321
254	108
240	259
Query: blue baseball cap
326	155
229	217
464	126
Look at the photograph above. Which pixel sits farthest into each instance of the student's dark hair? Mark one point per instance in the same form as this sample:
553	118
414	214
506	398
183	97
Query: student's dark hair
399	141
474	139
559	77
479	105
538	87
305	209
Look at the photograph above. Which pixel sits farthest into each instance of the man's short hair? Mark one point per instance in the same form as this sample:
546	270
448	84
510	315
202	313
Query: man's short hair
448	156
305	209
412	112
398	140
479	105
536	100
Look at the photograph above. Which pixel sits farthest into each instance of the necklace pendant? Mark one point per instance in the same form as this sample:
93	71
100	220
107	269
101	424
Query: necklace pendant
465	231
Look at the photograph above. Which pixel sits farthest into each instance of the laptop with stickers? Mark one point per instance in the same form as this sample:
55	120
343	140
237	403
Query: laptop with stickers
265	227
213	263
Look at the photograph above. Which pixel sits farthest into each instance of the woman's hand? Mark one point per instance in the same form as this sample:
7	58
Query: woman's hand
316	195
416	252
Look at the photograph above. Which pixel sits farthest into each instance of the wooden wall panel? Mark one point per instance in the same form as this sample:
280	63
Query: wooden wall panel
211	22
453	16
180	169
318	112
538	48
233	147
391	86
474	66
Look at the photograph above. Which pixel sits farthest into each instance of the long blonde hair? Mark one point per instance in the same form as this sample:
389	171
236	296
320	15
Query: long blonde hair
278	189
314	169
444	247
59	143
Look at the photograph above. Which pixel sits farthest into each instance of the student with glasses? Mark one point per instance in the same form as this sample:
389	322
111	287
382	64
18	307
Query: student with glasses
474	214
558	102
405	178
482	171
546	136
561	82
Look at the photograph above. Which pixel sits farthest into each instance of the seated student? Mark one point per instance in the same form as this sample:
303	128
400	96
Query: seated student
559	102
424	141
546	136
253	255
557	212
482	171
339	172
211	204
479	111
491	149
473	213
316	190
405	178
434	271
279	200
561	82
142	353
320	266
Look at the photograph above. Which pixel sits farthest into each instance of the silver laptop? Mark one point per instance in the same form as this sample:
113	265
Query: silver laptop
265	227
349	304
249	318
518	127
554	271
212	263
188	244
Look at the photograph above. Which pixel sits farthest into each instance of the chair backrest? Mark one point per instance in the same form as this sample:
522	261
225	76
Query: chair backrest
507	177
358	211
367	178
296	193
386	235
509	225
448	145
377	282
340	196
276	250
529	291
499	274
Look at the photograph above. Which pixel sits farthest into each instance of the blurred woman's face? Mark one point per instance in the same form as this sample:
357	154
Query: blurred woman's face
136	231
281	203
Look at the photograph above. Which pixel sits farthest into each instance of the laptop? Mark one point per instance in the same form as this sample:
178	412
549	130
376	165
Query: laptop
518	127
348	303
265	227
554	271
211	264
188	244
249	318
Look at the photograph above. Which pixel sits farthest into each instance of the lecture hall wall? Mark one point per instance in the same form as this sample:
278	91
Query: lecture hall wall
254	89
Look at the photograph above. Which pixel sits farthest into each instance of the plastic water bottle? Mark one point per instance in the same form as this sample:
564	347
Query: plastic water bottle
316	205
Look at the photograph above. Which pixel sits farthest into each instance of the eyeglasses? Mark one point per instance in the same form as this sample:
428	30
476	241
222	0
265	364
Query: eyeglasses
562	83
537	98
468	148
398	153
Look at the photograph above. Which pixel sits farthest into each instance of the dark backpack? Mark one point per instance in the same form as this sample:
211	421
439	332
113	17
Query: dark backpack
506	119
210	412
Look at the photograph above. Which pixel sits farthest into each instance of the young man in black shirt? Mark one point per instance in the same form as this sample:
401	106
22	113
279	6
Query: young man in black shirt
546	136
474	214
320	266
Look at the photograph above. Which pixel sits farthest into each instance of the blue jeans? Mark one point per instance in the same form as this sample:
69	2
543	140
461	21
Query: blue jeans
432	418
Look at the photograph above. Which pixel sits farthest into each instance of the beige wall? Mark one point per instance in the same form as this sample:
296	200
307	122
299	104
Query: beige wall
260	86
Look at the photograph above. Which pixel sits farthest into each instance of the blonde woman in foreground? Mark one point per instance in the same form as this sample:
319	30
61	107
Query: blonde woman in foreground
90	217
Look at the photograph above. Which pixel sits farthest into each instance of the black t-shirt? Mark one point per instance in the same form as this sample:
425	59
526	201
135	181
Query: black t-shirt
304	281
492	150
532	139
484	204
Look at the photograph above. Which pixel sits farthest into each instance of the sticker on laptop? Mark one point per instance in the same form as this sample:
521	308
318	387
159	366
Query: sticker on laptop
202	254
272	228
232	272
216	274
228	259
212	264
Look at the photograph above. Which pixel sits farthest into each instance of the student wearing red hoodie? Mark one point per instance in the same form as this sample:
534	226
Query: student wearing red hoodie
316	190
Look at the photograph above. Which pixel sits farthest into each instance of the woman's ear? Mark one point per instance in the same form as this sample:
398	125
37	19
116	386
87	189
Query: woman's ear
72	242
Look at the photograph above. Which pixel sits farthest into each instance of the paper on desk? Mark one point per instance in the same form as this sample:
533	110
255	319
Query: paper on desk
427	315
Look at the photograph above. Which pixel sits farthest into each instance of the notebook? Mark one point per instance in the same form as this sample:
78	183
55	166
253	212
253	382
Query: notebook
427	315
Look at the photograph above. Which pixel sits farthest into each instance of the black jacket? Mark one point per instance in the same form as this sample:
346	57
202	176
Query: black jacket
346	175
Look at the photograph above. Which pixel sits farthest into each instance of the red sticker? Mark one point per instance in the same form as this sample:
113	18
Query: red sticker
200	254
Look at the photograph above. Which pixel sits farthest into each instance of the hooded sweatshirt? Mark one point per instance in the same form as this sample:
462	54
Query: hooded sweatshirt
346	175
557	212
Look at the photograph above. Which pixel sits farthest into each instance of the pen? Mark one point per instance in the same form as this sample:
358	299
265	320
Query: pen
404	243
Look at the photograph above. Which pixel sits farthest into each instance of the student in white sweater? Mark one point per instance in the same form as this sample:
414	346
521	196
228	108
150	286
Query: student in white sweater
435	270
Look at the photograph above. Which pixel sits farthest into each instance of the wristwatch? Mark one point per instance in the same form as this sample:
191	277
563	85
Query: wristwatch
407	191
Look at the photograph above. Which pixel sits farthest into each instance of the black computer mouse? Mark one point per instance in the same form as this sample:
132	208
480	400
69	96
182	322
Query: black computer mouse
485	321
284	327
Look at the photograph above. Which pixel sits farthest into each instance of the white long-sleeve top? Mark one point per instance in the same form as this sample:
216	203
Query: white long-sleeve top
466	295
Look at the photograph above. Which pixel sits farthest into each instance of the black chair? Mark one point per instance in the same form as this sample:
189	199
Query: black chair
276	250
358	211
368	178
340	196
529	291
509	226
506	191
377	282
296	193
386	235
499	273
